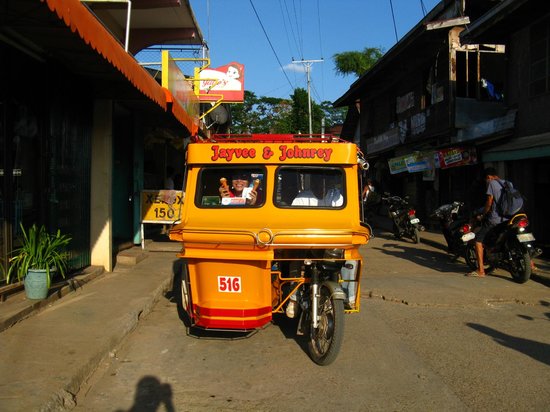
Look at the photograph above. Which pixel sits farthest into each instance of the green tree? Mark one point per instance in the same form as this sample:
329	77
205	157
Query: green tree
356	62
276	115
333	115
300	111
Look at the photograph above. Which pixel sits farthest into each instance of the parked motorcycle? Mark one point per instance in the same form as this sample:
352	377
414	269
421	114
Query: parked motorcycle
510	246
455	226
405	222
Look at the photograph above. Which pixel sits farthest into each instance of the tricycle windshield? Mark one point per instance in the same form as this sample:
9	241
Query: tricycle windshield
309	187
231	187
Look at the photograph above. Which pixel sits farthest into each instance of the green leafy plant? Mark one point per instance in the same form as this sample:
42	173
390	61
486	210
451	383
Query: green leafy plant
39	250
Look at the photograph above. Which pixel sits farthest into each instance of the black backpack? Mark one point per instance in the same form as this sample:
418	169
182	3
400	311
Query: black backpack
510	201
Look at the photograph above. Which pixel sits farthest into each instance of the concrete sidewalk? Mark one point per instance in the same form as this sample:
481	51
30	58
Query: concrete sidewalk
46	357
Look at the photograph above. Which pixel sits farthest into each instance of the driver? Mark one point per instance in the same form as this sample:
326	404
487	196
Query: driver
314	195
240	188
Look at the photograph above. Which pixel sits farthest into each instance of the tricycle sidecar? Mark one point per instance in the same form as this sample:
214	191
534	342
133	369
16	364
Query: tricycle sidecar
271	224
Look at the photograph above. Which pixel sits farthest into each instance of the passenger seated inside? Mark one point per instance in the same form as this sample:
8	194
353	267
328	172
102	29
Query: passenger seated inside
240	191
322	192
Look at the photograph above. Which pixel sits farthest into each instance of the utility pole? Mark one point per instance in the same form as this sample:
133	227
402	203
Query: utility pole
307	64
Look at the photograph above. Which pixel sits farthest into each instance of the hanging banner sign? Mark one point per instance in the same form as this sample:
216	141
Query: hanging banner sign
397	165
457	156
418	162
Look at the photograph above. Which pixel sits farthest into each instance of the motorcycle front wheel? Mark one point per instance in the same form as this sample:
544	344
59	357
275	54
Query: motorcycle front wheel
324	342
520	264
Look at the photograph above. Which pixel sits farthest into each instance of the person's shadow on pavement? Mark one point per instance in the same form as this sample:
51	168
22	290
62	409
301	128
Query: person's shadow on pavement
150	394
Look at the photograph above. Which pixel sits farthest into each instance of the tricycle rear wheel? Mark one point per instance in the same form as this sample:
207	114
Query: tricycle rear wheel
325	341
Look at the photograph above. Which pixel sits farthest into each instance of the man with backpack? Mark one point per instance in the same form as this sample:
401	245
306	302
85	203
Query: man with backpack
499	207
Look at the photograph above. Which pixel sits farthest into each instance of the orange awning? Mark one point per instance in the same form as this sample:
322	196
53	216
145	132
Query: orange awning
80	20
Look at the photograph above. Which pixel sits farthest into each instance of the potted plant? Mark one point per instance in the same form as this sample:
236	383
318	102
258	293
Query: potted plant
40	255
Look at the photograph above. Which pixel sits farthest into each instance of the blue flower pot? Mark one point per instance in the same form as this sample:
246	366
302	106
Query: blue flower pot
36	284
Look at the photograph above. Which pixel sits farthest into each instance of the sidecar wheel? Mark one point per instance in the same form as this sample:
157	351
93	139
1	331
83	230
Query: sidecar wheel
520	266
324	342
182	294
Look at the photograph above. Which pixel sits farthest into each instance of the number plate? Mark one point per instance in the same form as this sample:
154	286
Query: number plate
468	236
526	237
229	284
415	221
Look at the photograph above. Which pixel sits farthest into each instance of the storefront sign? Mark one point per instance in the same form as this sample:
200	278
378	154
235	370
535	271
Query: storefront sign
418	162
412	163
161	206
397	165
384	141
457	156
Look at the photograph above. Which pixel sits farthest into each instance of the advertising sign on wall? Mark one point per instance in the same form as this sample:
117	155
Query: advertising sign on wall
457	156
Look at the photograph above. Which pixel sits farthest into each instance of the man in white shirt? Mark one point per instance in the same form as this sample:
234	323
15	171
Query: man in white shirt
308	197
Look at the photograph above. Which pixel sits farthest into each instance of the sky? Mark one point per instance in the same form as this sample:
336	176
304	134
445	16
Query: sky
300	30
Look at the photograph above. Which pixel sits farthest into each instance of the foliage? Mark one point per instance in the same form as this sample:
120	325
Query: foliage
277	115
357	62
39	250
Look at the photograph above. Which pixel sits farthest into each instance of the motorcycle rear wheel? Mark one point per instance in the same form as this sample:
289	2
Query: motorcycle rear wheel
520	265
325	341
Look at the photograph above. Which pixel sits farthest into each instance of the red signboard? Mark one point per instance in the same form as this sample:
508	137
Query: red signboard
457	156
225	82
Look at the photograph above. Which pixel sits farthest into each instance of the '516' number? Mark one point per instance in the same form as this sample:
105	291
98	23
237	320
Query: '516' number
231	284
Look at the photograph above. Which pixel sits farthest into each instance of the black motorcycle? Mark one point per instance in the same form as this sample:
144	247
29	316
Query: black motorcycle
454	223
510	246
405	222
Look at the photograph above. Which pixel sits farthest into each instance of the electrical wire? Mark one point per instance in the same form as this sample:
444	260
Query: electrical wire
299	28
321	47
423	7
394	26
292	30
271	44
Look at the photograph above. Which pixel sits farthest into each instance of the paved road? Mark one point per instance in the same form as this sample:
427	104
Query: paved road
427	338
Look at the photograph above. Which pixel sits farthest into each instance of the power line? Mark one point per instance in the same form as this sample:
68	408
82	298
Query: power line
319	26
299	28
321	46
423	7
291	29
270	44
394	26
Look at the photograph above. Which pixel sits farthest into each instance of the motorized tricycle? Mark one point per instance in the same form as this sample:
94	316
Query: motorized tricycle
271	226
